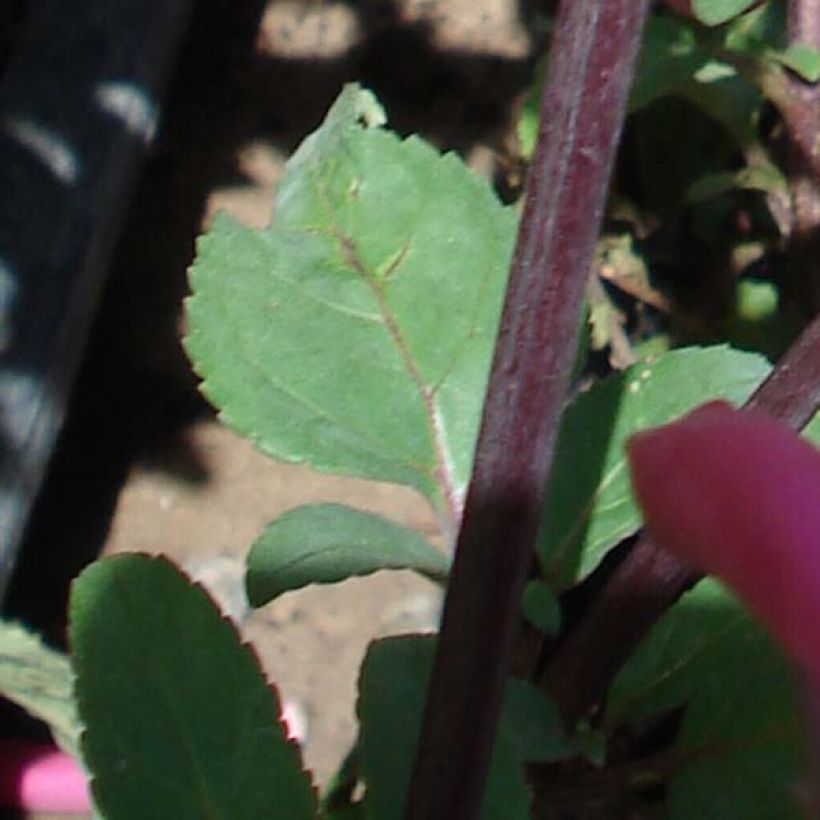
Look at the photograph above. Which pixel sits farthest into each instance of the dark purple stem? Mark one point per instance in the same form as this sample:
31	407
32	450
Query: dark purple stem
588	78
650	580
799	104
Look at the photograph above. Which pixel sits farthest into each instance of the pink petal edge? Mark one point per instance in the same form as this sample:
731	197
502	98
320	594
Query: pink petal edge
737	495
40	778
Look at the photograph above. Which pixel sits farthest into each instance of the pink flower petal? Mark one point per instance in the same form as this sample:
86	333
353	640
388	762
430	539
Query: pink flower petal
737	495
41	778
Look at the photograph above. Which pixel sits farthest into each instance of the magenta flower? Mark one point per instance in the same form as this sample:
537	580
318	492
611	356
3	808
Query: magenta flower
737	495
40	778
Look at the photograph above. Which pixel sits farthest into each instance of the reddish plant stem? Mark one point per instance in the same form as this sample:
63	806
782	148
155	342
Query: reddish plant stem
799	104
588	78
650	580
791	392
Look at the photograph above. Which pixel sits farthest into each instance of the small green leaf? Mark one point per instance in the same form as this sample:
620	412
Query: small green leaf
765	178
756	301
39	680
757	322
737	755
392	690
728	98
679	59
758	31
669	58
331	337
530	113
800	58
589	505
534	725
717	12
179	720
540	607
324	543
812	430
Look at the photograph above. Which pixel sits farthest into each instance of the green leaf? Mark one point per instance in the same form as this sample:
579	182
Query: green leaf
589	506
753	34
534	725
355	333
392	690
716	12
178	716
729	99
39	679
324	543
737	755
678	59
800	58
540	607
670	55
812	430
530	113
757	322
767	178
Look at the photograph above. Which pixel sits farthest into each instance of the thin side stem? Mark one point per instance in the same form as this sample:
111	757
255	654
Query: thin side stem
588	78
799	104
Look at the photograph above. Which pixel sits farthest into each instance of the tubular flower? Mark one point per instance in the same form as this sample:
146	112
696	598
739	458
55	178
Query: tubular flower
737	495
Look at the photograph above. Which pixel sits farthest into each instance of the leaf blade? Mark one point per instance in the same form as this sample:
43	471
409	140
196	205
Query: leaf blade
391	702
39	679
330	337
717	12
324	543
174	705
590	506
741	727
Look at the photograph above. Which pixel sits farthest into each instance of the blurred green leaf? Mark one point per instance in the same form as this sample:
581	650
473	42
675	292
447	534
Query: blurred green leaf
670	56
717	12
529	114
762	29
761	35
355	333
324	543
800	58
589	506
392	690
540	607
534	726
734	102
179	721
738	752
756	301
766	178
39	680
757	322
